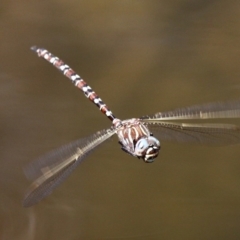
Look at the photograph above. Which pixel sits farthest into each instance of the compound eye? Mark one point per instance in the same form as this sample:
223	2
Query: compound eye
141	147
142	144
153	142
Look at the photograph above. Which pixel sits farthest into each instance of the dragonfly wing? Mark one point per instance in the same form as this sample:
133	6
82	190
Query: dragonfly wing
208	111
215	134
48	171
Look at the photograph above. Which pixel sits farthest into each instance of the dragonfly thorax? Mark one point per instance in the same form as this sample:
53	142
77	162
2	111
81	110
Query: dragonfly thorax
136	139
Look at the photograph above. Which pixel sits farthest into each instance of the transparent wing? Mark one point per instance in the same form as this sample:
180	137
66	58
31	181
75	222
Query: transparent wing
215	134
49	171
208	111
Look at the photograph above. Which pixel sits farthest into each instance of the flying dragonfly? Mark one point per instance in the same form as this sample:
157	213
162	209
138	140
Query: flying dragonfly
138	137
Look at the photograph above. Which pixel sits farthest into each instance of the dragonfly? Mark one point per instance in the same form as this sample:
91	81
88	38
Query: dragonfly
138	137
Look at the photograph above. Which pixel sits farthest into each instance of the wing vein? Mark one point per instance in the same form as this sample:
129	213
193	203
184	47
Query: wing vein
49	171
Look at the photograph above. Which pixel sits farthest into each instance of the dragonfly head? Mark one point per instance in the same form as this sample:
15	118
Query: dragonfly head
147	148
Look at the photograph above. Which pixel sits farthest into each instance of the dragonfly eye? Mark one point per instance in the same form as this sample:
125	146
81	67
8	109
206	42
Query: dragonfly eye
141	146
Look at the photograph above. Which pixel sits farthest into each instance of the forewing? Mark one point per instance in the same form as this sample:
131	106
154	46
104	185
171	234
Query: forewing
215	134
208	111
48	171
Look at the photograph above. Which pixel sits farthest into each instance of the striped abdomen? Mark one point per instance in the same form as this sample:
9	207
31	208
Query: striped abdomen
76	80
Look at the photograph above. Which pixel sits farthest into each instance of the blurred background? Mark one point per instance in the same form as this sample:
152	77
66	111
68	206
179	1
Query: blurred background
141	57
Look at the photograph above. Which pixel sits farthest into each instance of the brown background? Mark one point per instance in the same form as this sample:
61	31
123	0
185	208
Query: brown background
141	57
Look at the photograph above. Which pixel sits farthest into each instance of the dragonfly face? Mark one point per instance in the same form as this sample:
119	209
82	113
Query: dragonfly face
147	148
